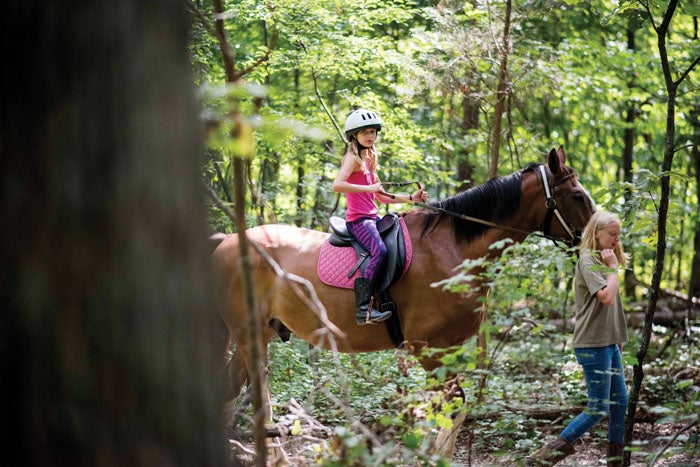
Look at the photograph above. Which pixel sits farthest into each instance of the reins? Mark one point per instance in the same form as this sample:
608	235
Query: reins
411	182
550	203
455	214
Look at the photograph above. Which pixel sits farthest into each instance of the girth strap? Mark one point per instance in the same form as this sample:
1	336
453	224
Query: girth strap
363	256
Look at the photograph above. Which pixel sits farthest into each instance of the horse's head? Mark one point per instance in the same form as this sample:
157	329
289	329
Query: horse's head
569	204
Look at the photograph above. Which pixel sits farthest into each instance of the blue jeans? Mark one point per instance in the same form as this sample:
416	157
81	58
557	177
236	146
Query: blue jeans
607	393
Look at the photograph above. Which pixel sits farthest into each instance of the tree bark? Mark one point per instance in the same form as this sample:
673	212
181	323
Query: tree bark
470	122
255	365
694	286
109	355
501	93
627	158
671	89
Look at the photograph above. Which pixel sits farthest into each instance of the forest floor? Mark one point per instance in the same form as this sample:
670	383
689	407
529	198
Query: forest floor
589	453
370	389
652	437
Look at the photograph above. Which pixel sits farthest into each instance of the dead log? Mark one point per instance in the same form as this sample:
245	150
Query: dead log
669	313
663	316
669	293
552	412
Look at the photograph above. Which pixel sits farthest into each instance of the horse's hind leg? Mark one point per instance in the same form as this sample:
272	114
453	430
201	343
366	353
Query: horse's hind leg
236	375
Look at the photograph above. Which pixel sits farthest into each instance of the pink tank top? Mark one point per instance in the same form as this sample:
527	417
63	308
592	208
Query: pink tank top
360	204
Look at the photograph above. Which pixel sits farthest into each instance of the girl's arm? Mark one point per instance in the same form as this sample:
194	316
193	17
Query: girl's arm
419	196
607	294
341	184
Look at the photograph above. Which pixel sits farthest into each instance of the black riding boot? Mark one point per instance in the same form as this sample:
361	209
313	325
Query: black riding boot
364	292
551	453
615	455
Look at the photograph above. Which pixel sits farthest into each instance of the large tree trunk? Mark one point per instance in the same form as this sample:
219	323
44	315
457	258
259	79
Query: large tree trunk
107	325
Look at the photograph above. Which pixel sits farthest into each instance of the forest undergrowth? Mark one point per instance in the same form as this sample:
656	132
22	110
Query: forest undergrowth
379	408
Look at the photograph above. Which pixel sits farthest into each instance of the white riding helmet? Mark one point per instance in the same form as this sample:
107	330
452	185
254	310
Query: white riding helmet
360	119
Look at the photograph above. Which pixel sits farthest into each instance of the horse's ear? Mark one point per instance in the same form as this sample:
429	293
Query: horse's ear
561	154
556	159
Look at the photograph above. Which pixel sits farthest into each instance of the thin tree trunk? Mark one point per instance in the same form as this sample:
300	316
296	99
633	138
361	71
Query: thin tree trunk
470	122
255	366
671	89
694	286
299	221
501	93
627	158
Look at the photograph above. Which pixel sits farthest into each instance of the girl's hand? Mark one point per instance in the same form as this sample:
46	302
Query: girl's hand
609	258
419	196
375	188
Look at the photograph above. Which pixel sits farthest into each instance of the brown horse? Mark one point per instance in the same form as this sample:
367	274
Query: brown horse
544	198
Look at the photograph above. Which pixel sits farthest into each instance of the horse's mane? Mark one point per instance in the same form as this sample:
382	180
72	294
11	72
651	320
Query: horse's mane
495	201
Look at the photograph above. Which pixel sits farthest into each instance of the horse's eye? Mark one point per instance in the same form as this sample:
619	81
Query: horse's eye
578	197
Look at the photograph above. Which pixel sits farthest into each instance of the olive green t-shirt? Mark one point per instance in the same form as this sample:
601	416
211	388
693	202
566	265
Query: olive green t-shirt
596	325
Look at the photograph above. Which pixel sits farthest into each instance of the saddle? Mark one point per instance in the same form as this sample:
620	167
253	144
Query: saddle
391	230
339	264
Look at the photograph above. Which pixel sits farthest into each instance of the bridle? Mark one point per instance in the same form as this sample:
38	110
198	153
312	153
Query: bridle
553	210
550	203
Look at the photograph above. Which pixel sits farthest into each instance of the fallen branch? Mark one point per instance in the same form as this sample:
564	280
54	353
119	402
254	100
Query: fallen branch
664	315
312	428
671	441
549	412
668	292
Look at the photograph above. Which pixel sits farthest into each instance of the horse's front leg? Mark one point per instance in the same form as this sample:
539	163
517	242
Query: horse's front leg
449	390
447	437
238	375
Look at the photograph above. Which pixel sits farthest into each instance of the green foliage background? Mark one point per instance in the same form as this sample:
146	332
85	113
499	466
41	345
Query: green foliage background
582	74
573	79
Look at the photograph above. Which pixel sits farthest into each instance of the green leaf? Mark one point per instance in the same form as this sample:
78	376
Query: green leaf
412	439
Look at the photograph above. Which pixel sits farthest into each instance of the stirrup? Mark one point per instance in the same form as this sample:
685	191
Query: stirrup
364	317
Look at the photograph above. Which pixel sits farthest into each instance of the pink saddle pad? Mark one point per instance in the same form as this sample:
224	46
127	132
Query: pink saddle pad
334	263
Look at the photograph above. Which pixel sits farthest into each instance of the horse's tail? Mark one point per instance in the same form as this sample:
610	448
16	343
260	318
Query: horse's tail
233	370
